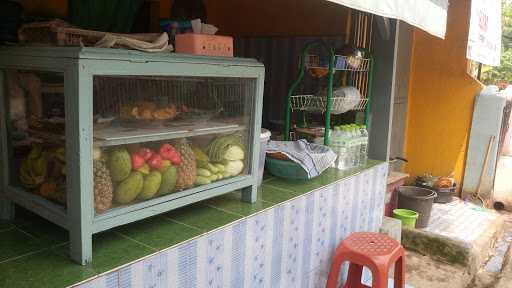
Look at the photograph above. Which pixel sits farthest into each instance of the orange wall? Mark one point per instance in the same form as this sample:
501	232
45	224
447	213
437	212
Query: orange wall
49	8
272	18
441	97
244	17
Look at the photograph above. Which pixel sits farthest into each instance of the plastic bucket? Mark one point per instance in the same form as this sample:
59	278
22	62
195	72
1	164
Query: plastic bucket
419	200
265	136
408	217
445	195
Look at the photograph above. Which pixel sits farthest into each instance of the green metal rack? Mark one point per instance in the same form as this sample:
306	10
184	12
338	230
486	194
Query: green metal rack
328	103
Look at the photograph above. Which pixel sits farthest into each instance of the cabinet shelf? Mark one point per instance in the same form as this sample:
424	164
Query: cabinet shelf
118	135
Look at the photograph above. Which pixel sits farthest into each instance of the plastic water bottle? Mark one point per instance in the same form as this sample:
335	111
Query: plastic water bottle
341	151
336	144
364	145
354	145
350	147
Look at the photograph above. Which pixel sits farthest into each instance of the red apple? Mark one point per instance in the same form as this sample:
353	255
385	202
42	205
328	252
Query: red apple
166	151
137	161
176	159
155	162
146	153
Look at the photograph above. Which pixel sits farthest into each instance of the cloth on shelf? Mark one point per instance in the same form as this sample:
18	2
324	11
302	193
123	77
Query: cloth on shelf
161	44
313	158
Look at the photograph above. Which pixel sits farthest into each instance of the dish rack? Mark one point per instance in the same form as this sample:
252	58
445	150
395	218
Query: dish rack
356	65
341	63
312	103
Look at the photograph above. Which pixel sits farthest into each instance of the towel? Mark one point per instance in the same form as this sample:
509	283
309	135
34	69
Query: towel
161	44
313	158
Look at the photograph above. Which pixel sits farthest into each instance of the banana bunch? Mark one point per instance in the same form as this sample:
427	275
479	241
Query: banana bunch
34	168
60	159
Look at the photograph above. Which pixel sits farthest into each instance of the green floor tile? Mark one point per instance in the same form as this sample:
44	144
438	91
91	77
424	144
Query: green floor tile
158	232
46	232
232	202
111	250
297	186
5	225
42	270
276	195
267	176
14	243
202	217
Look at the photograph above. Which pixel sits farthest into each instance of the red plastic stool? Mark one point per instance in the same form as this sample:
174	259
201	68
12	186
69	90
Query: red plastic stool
373	250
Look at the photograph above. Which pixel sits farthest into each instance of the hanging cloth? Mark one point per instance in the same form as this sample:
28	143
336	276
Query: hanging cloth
428	15
102	15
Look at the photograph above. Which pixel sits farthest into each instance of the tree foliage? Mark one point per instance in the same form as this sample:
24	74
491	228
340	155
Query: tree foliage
502	73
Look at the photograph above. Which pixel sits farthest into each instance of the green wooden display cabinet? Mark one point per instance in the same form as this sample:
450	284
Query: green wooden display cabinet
220	95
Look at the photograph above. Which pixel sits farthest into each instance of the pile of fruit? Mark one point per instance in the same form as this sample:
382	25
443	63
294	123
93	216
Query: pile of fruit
43	171
224	158
134	173
144	173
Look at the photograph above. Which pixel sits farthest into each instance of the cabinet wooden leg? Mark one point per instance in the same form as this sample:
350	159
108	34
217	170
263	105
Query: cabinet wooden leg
249	194
6	209
80	246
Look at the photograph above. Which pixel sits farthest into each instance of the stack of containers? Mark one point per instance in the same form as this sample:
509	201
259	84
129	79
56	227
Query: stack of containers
350	143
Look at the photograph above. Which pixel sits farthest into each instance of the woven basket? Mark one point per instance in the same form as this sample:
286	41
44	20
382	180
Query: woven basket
60	33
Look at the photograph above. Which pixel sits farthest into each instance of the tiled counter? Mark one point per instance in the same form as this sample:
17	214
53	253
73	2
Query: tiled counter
285	239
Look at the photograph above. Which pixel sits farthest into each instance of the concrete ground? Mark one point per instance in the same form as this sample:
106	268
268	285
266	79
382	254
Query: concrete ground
505	279
423	271
503	182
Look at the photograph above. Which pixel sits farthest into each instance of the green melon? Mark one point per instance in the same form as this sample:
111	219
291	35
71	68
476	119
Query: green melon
169	176
151	185
119	164
129	188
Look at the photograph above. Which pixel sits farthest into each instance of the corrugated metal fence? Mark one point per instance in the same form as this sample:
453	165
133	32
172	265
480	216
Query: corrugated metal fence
280	55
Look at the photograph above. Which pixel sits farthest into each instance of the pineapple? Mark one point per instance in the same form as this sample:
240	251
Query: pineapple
103	188
187	169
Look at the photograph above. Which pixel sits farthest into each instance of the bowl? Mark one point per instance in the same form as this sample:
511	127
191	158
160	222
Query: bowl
286	169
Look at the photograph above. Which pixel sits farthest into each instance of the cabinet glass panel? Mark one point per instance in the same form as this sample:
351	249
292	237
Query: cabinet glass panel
155	136
35	120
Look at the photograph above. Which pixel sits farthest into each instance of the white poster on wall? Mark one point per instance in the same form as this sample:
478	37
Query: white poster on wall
484	39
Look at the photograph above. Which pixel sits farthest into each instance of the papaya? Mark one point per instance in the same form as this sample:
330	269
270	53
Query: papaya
151	185
169	176
120	164
129	188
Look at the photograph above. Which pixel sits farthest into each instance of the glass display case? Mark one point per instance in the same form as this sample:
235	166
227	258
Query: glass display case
96	138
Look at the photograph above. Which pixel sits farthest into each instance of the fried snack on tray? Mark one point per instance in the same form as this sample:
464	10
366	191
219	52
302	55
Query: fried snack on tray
147	111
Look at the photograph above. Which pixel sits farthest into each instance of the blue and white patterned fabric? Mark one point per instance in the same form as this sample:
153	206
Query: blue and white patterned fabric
289	245
313	158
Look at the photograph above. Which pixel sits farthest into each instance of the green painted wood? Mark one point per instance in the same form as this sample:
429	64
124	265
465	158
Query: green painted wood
79	66
6	206
162	207
119	211
123	55
249	194
115	67
79	97
169	135
39	205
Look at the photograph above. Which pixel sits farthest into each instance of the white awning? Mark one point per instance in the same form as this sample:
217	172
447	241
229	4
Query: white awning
428	15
